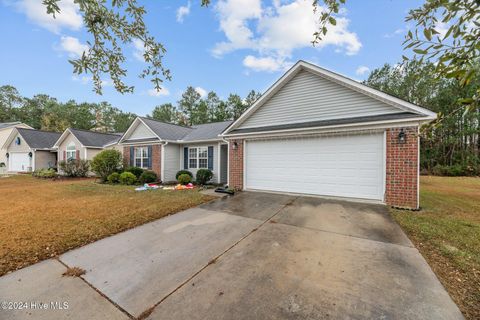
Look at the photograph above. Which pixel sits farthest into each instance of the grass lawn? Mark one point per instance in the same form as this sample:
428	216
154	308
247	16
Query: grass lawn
447	233
40	219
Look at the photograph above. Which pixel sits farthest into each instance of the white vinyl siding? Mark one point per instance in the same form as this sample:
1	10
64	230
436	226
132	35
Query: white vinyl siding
309	97
342	165
140	132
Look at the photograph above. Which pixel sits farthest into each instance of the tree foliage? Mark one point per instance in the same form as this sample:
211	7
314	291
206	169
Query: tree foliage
455	145
47	113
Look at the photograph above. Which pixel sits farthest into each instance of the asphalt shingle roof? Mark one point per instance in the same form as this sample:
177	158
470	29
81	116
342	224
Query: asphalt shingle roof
95	139
206	131
167	131
38	139
8	124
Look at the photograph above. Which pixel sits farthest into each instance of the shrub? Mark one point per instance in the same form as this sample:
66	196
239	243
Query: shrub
135	170
106	162
45	173
184	179
453	171
184	172
2	164
127	178
113	178
204	175
147	176
75	167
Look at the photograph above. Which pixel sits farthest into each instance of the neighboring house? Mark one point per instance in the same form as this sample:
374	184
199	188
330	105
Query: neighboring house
167	148
84	144
5	130
30	149
317	132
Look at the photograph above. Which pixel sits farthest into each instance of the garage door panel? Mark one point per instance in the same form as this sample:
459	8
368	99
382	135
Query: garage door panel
18	162
346	166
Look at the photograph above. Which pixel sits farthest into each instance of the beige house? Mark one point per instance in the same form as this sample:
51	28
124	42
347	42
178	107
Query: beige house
5	131
29	150
84	144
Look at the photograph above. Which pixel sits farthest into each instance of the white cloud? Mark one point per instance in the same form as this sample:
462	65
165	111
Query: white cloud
72	46
275	32
442	28
69	16
394	33
82	79
158	93
139	49
362	70
268	64
182	12
202	92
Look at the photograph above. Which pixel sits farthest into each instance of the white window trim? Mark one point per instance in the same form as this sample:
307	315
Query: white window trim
142	158
71	151
197	157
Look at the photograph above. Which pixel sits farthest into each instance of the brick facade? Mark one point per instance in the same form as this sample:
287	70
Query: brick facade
235	157
156	159
401	188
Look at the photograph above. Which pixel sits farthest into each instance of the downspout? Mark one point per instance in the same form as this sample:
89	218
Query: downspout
162	161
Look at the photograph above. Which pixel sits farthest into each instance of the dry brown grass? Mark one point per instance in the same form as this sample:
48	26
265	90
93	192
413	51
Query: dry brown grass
447	233
74	272
40	219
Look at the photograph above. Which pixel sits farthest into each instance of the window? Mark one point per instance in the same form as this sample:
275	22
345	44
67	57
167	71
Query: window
141	157
198	158
71	151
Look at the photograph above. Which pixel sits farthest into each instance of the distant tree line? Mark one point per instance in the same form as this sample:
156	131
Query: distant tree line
47	113
452	145
192	109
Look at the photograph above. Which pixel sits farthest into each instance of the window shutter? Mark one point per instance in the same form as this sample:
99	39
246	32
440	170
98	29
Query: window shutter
132	156
149	165
210	158
185	158
77	153
64	155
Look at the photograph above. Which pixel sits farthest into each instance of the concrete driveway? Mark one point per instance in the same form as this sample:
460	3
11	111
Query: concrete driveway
251	256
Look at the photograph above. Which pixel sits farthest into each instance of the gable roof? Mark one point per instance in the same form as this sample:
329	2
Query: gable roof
38	139
90	139
400	110
4	125
164	131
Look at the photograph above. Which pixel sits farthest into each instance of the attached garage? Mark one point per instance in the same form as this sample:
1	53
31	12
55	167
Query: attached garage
340	165
319	133
19	162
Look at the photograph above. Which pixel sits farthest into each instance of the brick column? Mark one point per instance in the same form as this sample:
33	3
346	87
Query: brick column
235	158
157	160
126	156
401	188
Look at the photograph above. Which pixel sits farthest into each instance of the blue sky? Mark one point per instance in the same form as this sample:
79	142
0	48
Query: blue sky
231	46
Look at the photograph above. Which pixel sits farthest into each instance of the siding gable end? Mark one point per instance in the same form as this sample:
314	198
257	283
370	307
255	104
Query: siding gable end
310	97
141	131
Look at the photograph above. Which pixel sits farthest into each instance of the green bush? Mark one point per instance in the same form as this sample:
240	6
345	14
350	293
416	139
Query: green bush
454	171
147	176
113	178
75	167
45	173
184	179
106	162
184	172
127	178
135	170
203	176
2	165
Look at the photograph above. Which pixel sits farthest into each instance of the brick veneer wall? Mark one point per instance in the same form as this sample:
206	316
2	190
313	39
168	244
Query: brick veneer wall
156	159
235	157
401	188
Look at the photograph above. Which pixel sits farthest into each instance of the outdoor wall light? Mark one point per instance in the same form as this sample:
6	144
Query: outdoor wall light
30	154
7	155
402	137
235	145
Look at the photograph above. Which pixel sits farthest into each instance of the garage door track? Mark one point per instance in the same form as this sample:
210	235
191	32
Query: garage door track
250	256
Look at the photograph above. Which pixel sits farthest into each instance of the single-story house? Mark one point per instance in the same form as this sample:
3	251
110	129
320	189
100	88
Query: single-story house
320	133
84	144
5	131
30	149
167	148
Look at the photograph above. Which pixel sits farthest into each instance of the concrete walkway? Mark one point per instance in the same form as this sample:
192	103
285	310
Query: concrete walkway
251	256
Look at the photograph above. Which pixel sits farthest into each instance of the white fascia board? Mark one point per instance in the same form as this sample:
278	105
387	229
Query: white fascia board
9	138
195	141
329	129
62	137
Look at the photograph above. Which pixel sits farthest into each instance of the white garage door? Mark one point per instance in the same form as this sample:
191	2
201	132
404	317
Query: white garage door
18	161
343	166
